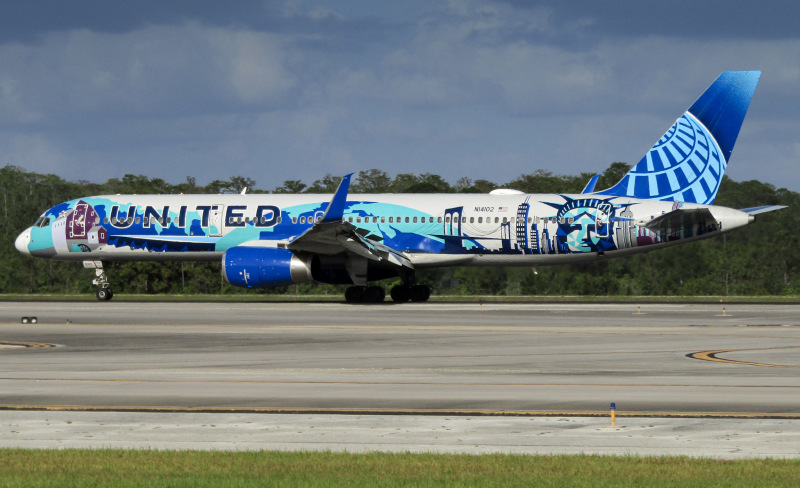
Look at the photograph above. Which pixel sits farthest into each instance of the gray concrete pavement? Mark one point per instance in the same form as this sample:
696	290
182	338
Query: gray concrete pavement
433	357
715	438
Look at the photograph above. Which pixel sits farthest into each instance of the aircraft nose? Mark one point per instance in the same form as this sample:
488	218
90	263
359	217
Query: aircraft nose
23	240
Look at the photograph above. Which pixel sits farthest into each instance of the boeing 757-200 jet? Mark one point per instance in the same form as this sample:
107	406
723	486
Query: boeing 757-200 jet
266	240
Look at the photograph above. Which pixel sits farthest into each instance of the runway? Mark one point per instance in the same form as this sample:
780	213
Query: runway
462	359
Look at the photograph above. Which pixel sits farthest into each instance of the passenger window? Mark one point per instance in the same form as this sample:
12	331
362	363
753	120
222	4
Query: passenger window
358	220
407	220
472	220
439	219
294	220
415	220
383	220
447	220
480	220
391	220
374	220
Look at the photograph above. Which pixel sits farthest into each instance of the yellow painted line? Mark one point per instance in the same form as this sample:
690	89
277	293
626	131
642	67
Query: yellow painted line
25	344
388	411
713	356
394	383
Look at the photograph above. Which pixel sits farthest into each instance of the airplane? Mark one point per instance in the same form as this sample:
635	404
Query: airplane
267	240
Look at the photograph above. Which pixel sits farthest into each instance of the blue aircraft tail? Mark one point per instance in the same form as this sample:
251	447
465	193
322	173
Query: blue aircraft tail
688	162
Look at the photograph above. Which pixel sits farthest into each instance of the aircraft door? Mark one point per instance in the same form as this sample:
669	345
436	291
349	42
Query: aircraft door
215	221
601	216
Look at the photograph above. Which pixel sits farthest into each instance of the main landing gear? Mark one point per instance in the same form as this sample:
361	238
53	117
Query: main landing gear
104	293
375	294
414	293
364	294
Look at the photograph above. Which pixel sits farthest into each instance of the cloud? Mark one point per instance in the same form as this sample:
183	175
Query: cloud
294	90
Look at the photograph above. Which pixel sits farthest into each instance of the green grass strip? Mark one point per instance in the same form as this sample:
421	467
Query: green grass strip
138	468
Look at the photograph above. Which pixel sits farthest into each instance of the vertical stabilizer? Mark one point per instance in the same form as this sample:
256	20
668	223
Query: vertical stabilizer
688	162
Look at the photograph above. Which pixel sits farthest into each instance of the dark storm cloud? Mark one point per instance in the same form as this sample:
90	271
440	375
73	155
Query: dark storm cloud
698	19
26	21
296	89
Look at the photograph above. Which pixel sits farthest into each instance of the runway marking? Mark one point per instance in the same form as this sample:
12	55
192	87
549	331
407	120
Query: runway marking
393	383
390	411
14	344
712	356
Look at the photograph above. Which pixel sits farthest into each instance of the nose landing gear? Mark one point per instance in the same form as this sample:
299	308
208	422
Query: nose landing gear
104	292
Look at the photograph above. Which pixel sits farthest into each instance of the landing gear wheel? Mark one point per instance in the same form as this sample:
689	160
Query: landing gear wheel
419	293
364	294
34	320
375	294
401	294
355	294
25	320
104	294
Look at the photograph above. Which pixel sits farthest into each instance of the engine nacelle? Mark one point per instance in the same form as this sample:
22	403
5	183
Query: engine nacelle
257	267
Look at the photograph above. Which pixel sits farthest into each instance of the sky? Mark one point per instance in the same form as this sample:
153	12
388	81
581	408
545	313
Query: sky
293	90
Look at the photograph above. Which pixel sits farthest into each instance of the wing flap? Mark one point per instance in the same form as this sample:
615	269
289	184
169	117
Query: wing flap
332	235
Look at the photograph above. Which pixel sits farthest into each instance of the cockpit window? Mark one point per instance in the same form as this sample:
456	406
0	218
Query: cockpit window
42	222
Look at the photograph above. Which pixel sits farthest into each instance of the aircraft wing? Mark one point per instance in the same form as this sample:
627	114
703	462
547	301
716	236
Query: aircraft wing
332	235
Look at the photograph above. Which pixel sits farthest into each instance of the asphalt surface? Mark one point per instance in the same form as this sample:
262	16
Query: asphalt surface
670	362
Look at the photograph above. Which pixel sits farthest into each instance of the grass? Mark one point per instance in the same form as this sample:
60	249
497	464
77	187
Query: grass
122	468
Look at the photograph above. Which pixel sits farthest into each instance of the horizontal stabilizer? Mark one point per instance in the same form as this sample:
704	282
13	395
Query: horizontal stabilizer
761	209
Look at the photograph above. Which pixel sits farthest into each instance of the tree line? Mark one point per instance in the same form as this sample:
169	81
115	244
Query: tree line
759	259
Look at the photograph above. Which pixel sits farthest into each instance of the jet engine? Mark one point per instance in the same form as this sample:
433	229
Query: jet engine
256	267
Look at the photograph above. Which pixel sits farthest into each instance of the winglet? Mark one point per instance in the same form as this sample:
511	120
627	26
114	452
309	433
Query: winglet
335	211
589	188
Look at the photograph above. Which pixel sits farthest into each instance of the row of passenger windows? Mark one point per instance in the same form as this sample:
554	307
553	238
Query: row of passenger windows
357	220
447	220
